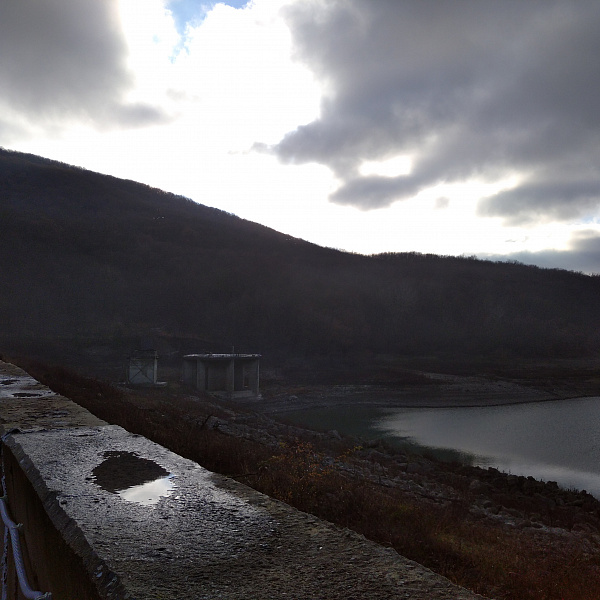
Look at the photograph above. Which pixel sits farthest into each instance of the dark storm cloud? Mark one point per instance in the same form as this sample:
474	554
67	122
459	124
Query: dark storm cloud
585	247
65	59
583	255
471	88
545	200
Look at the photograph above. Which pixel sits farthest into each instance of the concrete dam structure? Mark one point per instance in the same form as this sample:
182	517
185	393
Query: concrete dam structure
229	375
107	514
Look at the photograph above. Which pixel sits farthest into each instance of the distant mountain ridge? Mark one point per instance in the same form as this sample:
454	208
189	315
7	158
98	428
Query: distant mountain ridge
92	258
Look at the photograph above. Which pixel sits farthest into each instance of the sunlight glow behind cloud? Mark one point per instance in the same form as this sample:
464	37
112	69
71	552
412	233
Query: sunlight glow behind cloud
392	167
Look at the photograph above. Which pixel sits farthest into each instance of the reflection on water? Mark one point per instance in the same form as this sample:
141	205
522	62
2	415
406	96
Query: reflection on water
133	478
557	441
149	493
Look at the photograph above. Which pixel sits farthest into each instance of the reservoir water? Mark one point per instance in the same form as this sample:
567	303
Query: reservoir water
558	440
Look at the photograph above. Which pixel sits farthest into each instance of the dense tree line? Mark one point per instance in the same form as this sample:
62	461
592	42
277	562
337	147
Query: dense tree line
93	258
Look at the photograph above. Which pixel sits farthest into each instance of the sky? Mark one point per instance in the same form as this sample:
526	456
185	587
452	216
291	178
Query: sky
469	127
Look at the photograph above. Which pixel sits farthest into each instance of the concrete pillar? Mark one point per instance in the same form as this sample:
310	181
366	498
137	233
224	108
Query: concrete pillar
239	368
253	376
189	371
230	376
201	375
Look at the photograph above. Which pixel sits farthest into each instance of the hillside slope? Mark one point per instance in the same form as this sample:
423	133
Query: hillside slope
91	259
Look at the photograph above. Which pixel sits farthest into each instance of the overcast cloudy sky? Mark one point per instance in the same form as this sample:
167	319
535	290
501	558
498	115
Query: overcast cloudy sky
464	127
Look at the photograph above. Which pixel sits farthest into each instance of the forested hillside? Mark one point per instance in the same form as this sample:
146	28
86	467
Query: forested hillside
89	261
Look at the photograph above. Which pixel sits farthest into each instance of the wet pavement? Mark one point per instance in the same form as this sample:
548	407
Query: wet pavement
25	403
86	470
149	524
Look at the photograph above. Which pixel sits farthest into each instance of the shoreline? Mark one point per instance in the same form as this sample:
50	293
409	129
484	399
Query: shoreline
320	408
444	391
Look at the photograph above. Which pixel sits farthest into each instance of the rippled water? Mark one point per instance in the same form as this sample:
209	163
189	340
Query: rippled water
557	441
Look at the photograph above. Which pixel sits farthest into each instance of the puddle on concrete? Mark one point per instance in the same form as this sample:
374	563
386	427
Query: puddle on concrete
23	387
149	493
133	478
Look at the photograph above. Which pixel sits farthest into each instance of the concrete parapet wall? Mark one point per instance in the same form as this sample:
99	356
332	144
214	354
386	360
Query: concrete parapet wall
50	561
188	533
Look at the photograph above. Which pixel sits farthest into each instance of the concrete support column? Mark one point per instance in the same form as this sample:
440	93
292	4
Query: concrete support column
189	371
253	376
230	377
201	376
225	374
239	370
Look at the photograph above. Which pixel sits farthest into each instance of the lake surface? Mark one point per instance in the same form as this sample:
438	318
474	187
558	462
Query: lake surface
557	440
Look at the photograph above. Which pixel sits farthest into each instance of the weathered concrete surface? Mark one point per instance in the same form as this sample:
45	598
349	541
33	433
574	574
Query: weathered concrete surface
208	537
25	403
